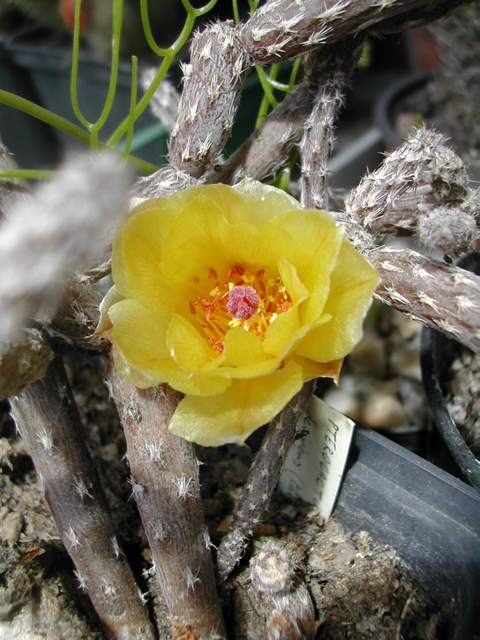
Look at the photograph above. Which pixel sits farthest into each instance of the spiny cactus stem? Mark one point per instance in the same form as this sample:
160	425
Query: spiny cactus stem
319	133
254	502
164	182
23	362
444	297
422	174
166	489
211	94
275	577
48	421
270	146
282	29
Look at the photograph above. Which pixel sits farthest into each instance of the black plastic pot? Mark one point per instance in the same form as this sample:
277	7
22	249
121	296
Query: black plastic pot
435	350
389	103
430	518
42	74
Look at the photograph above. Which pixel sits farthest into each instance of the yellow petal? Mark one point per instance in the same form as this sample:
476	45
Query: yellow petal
135	376
313	370
140	337
139	333
289	276
244	356
104	324
138	246
352	284
241	348
281	332
232	416
188	348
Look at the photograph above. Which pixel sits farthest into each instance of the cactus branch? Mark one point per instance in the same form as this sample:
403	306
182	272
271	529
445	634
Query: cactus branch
444	297
210	97
318	137
282	29
422	174
166	489
274	574
23	362
270	146
48	421
262	480
64	226
164	182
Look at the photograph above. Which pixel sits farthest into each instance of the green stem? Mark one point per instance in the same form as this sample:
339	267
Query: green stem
112	83
62	124
201	11
236	13
279	86
147	31
133	102
267	90
265	103
74	72
142	104
294	74
159	76
26	174
94	128
168	57
283	181
40	113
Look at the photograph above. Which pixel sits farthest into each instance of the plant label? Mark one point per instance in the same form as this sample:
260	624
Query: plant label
315	464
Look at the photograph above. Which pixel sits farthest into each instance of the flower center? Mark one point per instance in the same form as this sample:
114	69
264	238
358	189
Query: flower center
247	299
242	302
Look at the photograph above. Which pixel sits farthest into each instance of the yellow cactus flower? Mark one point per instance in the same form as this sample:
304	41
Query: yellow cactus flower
234	296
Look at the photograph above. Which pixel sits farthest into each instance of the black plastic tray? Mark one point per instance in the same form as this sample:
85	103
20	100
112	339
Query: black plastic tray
429	517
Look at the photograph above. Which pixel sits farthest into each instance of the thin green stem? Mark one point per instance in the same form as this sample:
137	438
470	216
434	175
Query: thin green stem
147	31
168	57
142	104
74	72
294	74
267	90
112	83
236	13
62	124
201	11
94	128
265	103
253	5
159	76
133	102
283	181
279	86
26	174
40	113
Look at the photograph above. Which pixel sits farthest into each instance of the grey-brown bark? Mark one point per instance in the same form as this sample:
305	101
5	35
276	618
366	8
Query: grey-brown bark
165	486
48	421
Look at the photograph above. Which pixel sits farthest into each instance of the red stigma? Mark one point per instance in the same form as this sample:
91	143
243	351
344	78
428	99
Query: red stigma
242	302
